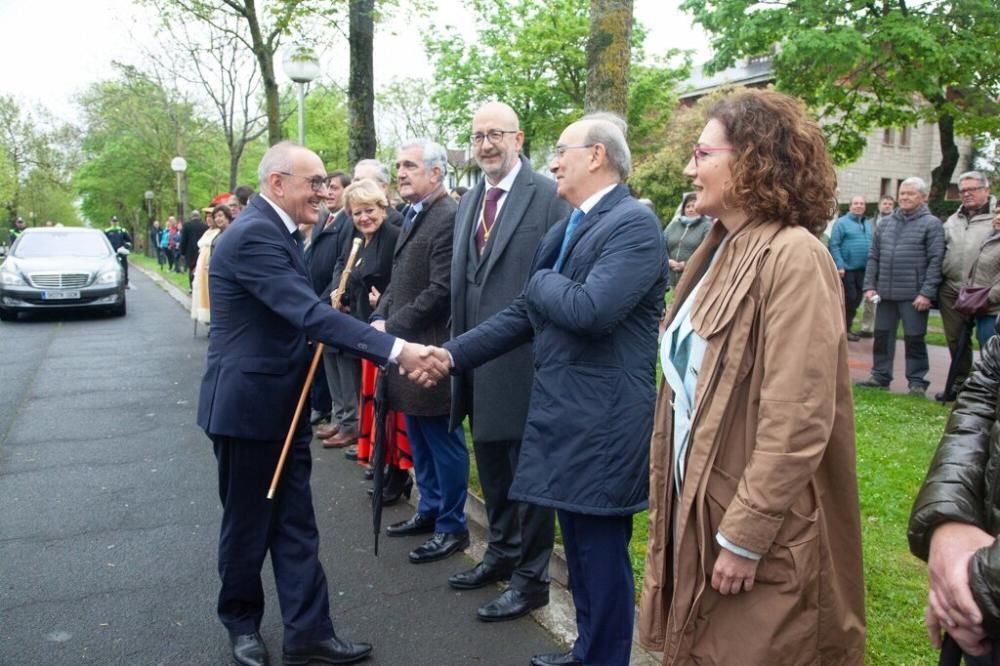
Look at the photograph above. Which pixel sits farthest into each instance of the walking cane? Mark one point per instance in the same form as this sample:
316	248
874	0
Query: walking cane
317	355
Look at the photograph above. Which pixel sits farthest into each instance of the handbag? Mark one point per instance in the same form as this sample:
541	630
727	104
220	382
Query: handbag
972	301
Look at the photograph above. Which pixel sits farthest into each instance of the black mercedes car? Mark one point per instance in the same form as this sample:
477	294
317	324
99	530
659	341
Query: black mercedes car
61	267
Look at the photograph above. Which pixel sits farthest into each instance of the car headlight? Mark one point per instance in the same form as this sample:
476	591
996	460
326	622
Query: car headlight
9	277
111	275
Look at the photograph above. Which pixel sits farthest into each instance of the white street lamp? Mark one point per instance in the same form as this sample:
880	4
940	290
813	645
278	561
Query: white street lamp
302	66
179	165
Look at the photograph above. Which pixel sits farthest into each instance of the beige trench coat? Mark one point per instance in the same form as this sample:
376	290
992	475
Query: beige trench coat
771	465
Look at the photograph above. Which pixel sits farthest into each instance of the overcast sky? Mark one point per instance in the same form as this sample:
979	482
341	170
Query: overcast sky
51	50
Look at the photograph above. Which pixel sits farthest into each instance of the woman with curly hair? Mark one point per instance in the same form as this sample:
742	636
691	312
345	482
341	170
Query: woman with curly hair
754	554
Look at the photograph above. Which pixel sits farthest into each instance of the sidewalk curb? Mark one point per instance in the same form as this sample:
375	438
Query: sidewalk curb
559	617
172	290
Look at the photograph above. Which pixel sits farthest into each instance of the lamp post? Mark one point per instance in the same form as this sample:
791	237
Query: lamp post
302	66
179	165
149	219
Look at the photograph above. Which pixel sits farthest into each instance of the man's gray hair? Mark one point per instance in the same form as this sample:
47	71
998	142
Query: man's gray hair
381	170
434	154
609	129
278	158
917	182
976	176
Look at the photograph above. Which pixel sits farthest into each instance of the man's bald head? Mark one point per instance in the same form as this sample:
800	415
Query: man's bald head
293	177
496	140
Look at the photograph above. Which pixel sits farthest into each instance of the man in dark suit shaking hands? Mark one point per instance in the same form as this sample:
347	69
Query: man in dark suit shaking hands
591	308
498	226
263	310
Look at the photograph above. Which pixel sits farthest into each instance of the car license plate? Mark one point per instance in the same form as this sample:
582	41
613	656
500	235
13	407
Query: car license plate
59	295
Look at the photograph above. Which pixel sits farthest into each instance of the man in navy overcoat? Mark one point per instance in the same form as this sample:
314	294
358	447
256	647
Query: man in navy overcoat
263	310
591	306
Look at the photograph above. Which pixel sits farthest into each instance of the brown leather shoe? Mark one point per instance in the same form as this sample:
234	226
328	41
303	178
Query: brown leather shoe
327	431
341	439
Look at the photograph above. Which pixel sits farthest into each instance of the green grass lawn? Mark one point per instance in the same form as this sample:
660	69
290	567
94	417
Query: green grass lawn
896	437
178	279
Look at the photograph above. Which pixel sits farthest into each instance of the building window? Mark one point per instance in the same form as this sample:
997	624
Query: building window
885	189
904	137
888	136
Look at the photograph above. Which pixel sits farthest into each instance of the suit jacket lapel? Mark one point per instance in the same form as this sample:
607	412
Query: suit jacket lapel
466	225
514	207
591	219
272	215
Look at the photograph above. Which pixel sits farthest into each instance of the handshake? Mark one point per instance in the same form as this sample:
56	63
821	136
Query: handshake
423	364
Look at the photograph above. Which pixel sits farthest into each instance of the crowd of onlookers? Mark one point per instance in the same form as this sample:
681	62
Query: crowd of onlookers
896	265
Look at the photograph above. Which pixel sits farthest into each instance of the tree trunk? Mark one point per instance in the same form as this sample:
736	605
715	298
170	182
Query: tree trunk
609	56
361	85
265	59
941	174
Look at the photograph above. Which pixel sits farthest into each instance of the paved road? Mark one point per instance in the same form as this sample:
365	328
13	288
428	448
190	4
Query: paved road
109	514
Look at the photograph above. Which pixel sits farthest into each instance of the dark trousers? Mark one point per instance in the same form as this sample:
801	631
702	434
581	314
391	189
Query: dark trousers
123	260
319	392
441	465
520	535
853	293
953	323
887	318
600	577
285	527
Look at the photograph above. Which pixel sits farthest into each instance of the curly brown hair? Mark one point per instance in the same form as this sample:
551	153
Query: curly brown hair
781	170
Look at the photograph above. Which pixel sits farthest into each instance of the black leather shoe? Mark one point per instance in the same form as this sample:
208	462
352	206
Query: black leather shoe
478	576
439	546
555	659
511	605
415	524
395	488
331	651
249	650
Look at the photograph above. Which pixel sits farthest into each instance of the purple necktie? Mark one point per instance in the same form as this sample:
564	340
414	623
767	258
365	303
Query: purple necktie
489	217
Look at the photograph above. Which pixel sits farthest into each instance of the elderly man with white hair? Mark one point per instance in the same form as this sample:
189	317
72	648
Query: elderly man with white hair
590	307
903	275
964	233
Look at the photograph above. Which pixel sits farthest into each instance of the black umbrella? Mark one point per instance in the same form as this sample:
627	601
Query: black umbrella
378	455
963	346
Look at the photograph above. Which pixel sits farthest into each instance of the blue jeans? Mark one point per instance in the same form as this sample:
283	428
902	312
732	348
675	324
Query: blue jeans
985	329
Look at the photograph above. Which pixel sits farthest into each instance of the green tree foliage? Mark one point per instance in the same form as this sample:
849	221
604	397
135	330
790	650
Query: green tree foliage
36	159
533	56
326	125
879	63
529	54
132	128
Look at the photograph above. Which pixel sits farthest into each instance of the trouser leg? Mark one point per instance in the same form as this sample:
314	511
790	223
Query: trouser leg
914	344
349	388
423	468
884	345
852	294
602	585
449	456
985	329
953	322
319	392
332	368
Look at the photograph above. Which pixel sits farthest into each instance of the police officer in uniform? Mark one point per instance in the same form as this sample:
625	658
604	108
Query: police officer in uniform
119	238
16	231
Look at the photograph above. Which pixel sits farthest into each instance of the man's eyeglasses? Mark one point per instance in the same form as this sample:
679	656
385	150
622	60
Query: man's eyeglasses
317	183
701	152
560	151
494	135
970	190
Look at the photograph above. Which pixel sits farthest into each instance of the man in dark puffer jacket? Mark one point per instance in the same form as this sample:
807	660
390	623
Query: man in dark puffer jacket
956	515
904	271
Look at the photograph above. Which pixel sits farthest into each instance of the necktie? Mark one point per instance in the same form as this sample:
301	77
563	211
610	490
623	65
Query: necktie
408	218
297	235
574	219
489	218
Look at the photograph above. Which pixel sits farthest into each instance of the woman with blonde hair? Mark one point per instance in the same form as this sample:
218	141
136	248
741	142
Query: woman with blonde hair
754	554
200	305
